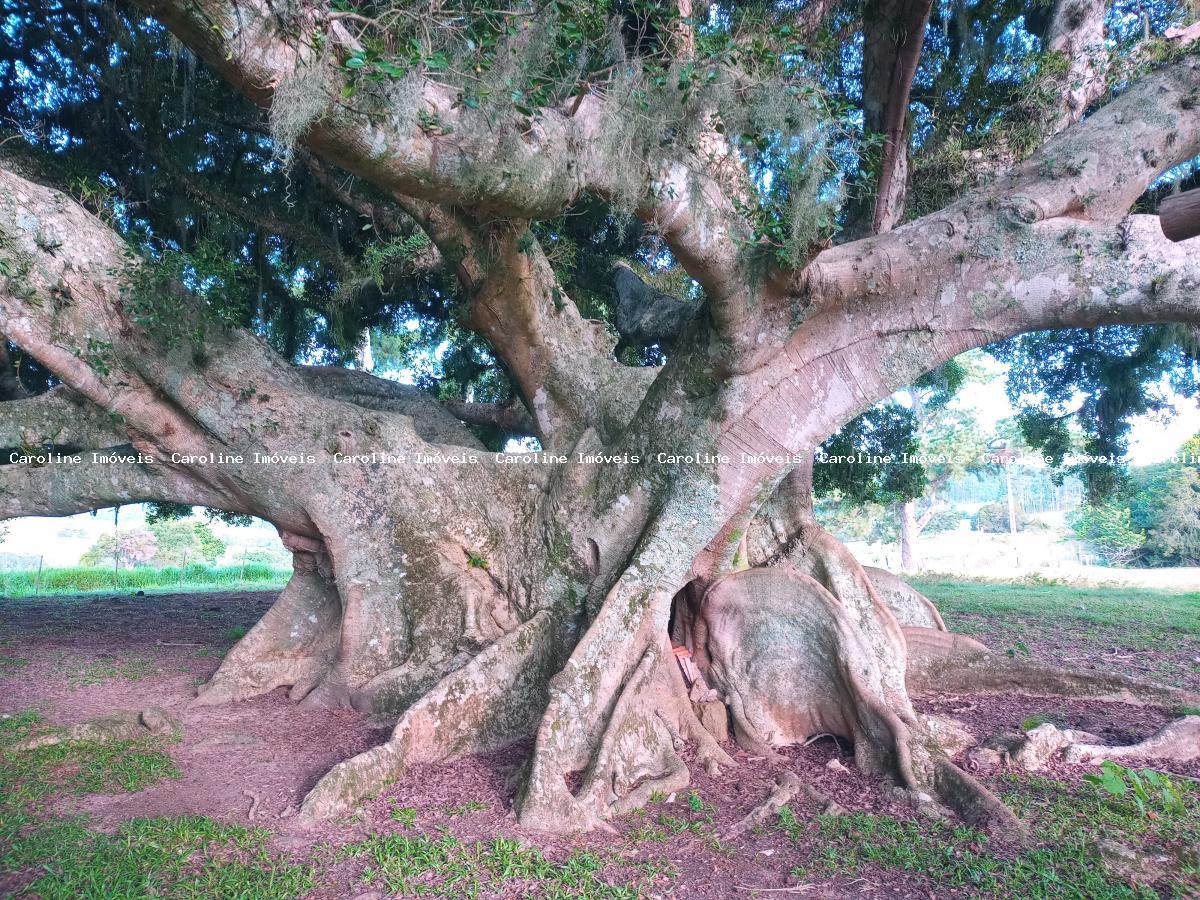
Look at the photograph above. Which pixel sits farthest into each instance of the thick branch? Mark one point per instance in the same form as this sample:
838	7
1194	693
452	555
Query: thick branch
1077	31
893	33
65	488
1093	171
430	420
510	417
532	175
1180	216
58	418
646	315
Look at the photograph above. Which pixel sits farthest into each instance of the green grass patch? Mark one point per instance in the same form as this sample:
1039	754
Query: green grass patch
91	579
443	866
1069	822
80	767
1141	612
186	857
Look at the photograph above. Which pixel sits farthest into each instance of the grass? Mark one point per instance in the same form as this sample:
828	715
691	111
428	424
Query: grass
1117	607
1069	821
463	809
184	857
443	866
85	579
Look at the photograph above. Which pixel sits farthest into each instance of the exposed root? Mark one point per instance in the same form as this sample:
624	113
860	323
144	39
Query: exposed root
791	662
787	658
118	725
1178	741
635	754
939	662
818	553
293	644
908	605
708	751
787	786
255	801
789	889
489	702
974	803
930	643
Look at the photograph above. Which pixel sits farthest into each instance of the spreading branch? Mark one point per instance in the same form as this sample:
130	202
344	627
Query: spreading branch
65	488
537	174
893	34
58	418
434	422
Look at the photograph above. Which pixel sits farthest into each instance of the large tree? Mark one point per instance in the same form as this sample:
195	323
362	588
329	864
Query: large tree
186	277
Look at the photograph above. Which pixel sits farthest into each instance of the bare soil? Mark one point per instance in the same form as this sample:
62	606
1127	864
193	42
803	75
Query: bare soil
161	646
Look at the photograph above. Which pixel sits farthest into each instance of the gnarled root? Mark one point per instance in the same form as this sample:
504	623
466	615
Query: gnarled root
787	786
942	662
491	701
791	662
292	644
1178	741
619	714
908	605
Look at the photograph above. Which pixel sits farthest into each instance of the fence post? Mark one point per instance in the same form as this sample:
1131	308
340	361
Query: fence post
183	568
116	549
242	573
37	584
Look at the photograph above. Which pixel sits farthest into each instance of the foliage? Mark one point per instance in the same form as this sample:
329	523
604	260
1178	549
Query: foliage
231	237
182	540
1119	373
1174	535
197	576
946	519
125	549
1108	530
852	462
1151	791
992	518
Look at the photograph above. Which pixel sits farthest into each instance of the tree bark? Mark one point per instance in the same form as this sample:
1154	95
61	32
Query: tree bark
478	601
1180	216
893	34
1077	32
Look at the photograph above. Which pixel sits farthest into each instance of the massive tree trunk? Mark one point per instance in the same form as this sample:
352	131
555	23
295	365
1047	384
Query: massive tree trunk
475	599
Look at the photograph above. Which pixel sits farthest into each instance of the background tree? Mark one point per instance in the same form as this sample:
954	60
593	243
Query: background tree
1107	530
1175	534
181	541
125	549
615	230
953	442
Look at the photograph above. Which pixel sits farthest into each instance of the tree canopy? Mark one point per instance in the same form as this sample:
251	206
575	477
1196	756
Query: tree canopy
679	245
265	235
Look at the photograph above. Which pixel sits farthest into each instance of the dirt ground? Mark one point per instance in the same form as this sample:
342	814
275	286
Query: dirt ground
76	658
